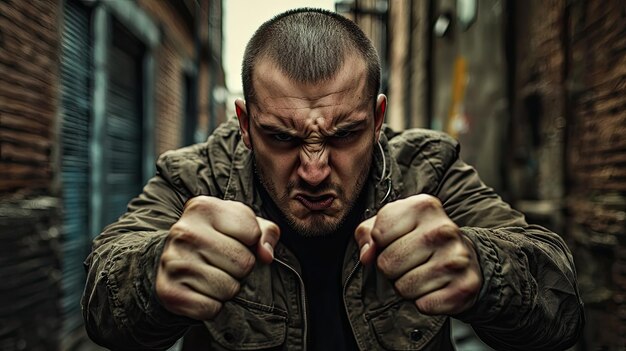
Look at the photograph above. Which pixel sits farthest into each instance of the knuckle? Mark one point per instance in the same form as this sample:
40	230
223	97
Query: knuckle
271	233
167	293
274	230
385	215
200	202
386	210
385	263
423	202
179	227
455	263
241	208
462	252
441	234
461	295
379	231
247	221
455	257
401	285
167	257
360	232
377	235
232	289
182	232
210	308
428	304
473	284
448	229
182	227
246	263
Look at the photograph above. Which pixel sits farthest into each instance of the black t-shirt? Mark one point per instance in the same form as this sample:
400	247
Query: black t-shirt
321	260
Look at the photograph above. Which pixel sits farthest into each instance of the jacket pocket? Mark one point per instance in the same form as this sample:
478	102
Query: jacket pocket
245	325
400	326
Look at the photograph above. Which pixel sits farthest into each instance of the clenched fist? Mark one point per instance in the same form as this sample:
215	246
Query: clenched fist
423	252
214	244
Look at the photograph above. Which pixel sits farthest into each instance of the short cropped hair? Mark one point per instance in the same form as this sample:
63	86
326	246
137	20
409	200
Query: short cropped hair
309	46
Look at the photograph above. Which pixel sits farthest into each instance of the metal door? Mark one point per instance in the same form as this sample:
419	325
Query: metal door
122	149
75	102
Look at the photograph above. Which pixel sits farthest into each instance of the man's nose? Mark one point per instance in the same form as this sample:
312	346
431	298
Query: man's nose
314	167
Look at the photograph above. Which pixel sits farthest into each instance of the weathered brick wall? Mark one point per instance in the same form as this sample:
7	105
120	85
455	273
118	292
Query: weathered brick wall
570	128
29	42
176	46
30	221
596	157
169	99
29	255
204	69
211	100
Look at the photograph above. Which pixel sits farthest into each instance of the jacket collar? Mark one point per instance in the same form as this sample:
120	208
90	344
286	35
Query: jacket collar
385	181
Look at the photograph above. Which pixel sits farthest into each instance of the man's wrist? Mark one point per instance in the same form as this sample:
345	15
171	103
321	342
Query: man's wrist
146	285
490	269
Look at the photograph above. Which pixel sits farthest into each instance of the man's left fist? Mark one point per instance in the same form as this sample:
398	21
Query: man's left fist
423	252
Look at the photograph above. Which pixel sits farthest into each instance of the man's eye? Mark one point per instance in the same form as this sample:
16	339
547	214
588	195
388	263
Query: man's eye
340	134
284	137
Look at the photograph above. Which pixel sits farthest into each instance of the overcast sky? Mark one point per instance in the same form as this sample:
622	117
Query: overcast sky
241	19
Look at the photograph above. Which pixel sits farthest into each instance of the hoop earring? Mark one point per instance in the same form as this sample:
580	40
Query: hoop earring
382	154
384	177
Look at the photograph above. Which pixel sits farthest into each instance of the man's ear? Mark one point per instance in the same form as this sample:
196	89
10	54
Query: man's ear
244	122
379	114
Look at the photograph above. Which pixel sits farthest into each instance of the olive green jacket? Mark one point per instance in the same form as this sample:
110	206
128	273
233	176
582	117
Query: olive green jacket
529	298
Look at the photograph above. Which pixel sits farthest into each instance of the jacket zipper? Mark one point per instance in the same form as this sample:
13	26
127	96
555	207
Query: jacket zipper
345	287
304	302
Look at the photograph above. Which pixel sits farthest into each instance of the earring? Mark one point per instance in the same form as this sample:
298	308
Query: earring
383	177
382	154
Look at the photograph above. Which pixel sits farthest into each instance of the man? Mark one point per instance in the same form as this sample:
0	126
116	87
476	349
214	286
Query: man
308	224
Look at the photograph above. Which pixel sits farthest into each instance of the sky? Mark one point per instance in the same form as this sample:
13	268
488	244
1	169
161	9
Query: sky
241	19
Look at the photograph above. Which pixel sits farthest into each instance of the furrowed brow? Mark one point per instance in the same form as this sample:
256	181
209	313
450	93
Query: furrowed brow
271	128
351	124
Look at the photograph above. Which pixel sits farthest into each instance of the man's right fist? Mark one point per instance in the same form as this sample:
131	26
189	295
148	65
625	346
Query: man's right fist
213	246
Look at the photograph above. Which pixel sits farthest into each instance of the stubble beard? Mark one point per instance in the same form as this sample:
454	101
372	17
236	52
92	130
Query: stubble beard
318	225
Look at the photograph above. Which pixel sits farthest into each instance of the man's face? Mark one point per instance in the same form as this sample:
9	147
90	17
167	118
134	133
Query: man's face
312	143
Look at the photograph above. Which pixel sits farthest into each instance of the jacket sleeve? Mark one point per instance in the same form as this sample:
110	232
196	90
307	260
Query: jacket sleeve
119	304
529	299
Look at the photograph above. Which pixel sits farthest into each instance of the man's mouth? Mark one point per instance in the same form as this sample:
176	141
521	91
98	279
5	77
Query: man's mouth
316	203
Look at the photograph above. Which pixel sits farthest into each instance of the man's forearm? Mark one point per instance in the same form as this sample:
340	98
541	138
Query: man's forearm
530	298
119	306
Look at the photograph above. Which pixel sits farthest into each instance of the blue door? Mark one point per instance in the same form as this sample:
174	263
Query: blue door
76	80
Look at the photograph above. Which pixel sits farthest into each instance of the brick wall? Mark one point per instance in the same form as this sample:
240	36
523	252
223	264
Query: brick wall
569	145
176	47
31	227
596	157
29	255
169	100
28	94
